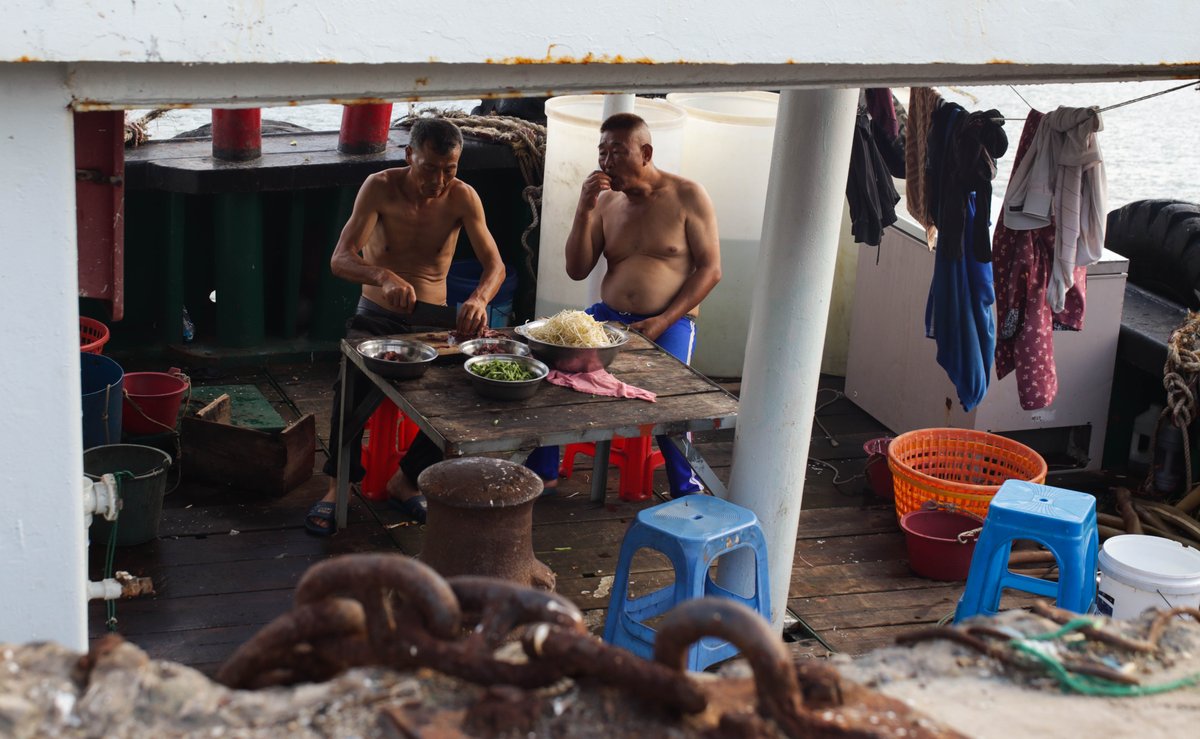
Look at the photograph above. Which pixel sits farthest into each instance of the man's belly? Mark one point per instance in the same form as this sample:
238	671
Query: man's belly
427	290
642	285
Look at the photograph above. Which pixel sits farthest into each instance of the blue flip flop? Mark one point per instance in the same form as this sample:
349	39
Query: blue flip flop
322	511
415	507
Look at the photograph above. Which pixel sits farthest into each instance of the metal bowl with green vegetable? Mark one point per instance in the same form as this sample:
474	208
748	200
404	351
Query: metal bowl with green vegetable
505	376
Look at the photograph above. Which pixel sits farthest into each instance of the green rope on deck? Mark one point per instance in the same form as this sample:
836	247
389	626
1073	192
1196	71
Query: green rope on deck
1086	684
110	606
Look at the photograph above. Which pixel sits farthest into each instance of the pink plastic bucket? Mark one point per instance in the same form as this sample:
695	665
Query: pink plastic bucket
879	475
152	401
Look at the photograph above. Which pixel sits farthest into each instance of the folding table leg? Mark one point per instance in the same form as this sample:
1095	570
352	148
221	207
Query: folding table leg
351	424
600	471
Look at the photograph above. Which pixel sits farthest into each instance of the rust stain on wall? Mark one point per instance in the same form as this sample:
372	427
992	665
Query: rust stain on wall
359	101
588	58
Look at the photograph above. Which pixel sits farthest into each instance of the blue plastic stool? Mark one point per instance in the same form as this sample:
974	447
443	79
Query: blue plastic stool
691	531
1063	521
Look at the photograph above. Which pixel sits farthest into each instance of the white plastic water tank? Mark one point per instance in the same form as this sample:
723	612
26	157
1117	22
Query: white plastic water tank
572	135
727	144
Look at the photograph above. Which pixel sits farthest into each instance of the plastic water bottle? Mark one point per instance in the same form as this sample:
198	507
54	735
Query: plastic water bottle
189	328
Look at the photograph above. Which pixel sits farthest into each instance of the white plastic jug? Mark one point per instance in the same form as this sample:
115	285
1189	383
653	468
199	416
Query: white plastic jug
572	136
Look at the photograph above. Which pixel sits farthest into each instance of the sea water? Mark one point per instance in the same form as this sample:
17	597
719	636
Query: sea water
1149	147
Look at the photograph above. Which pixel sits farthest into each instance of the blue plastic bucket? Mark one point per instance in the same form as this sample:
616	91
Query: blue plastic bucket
102	382
462	280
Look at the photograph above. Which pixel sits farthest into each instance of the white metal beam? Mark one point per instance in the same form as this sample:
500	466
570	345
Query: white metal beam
151	85
42	543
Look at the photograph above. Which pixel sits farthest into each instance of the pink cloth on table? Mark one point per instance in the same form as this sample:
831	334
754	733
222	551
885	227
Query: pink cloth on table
599	382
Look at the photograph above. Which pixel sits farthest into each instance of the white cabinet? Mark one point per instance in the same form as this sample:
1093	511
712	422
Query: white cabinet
892	372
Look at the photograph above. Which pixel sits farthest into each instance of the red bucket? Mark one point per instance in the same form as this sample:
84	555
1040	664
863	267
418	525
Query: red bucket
152	401
879	475
939	546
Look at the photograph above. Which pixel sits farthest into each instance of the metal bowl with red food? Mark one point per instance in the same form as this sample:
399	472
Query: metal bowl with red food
397	359
480	347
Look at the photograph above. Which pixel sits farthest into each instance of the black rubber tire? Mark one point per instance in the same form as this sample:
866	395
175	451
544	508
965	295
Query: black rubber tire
1161	239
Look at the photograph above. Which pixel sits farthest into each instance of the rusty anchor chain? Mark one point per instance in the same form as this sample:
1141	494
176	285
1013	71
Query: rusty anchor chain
393	611
804	699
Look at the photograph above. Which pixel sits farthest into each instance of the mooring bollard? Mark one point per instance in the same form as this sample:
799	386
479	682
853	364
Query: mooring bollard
481	520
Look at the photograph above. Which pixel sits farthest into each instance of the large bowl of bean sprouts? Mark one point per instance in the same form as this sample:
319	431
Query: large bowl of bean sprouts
573	341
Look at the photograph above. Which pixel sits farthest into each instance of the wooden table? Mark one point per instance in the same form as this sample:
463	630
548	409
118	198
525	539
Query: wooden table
446	407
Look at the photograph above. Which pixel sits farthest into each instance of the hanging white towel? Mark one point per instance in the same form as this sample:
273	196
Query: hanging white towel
1062	178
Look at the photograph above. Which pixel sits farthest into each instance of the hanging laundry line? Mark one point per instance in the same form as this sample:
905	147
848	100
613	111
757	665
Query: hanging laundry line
1114	106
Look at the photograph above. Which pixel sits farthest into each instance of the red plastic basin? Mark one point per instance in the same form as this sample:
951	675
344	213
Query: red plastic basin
934	549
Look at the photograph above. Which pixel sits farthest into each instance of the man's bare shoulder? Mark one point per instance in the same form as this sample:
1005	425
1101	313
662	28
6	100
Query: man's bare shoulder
462	196
691	194
386	180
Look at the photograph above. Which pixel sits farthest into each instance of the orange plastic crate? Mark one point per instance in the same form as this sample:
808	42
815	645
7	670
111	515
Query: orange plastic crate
93	335
957	466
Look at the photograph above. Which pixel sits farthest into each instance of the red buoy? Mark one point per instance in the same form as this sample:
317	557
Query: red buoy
364	128
237	134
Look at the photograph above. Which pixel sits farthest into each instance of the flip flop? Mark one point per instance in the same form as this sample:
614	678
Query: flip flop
322	511
415	507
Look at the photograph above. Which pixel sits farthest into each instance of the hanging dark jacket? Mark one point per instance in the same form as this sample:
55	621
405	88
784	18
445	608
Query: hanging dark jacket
961	160
869	188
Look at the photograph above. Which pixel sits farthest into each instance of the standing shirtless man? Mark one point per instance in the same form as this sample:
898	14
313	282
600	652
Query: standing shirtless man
398	244
658	232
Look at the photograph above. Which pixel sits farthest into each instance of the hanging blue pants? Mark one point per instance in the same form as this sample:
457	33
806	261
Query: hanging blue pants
679	340
958	315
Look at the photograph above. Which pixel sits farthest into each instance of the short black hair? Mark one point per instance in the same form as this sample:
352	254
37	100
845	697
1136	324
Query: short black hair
439	133
623	122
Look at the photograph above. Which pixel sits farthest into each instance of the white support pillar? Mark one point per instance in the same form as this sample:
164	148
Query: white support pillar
44	573
787	324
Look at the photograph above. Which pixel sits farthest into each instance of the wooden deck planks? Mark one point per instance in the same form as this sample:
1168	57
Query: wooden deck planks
850	581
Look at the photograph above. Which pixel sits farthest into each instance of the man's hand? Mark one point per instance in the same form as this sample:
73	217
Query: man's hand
651	328
596	183
398	294
472	318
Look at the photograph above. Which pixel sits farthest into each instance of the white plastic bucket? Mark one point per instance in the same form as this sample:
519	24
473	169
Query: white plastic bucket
719	123
1138	572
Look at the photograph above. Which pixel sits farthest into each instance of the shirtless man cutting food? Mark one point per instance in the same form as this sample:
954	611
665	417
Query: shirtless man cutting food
398	244
658	232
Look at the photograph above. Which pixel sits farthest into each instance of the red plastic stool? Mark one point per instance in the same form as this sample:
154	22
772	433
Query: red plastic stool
634	458
389	434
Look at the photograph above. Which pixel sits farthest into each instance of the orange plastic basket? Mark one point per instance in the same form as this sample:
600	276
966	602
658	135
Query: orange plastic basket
93	335
957	466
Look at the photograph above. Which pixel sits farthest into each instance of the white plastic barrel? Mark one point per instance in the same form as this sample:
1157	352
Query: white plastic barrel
1138	572
572	137
727	148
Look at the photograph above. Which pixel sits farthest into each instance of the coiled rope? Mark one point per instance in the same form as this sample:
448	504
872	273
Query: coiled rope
1180	375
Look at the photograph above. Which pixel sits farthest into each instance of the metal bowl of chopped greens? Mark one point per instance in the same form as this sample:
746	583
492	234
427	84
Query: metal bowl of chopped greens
505	376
